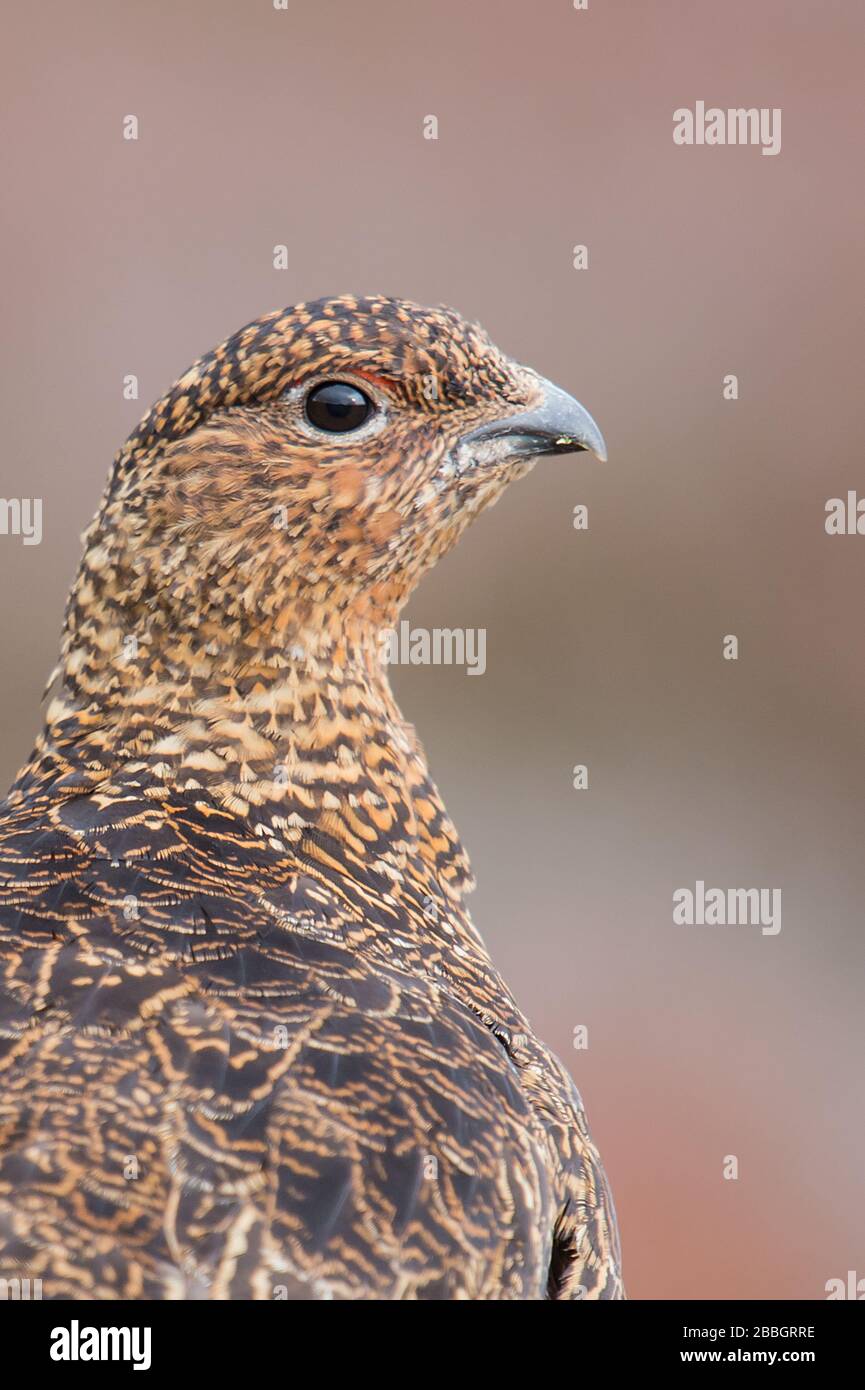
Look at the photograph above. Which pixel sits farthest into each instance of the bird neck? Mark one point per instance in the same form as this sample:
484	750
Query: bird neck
286	738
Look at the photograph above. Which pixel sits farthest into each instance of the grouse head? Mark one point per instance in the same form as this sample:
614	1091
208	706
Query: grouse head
302	476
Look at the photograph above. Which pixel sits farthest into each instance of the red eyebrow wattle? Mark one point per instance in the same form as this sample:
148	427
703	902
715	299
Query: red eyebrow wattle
385	382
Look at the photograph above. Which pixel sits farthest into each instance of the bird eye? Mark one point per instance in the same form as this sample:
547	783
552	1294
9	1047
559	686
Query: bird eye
337	407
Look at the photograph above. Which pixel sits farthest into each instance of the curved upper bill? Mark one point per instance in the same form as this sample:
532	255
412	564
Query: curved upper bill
559	425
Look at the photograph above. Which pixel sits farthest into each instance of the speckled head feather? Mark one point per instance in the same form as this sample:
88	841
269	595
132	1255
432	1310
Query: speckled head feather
226	506
235	954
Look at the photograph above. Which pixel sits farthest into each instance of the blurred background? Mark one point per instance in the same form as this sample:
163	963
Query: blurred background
305	127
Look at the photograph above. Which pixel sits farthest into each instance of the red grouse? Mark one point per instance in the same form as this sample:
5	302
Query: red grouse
251	1045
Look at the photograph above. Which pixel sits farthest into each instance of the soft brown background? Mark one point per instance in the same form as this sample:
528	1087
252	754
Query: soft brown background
304	127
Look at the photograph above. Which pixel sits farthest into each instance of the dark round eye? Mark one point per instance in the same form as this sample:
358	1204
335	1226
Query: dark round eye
337	406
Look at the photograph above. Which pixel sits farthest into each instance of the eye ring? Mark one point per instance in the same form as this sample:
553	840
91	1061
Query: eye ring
337	407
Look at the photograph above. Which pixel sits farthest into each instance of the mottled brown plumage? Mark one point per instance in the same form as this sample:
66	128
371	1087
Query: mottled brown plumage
251	1045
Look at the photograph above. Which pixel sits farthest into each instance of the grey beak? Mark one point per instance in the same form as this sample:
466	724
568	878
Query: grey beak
559	425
